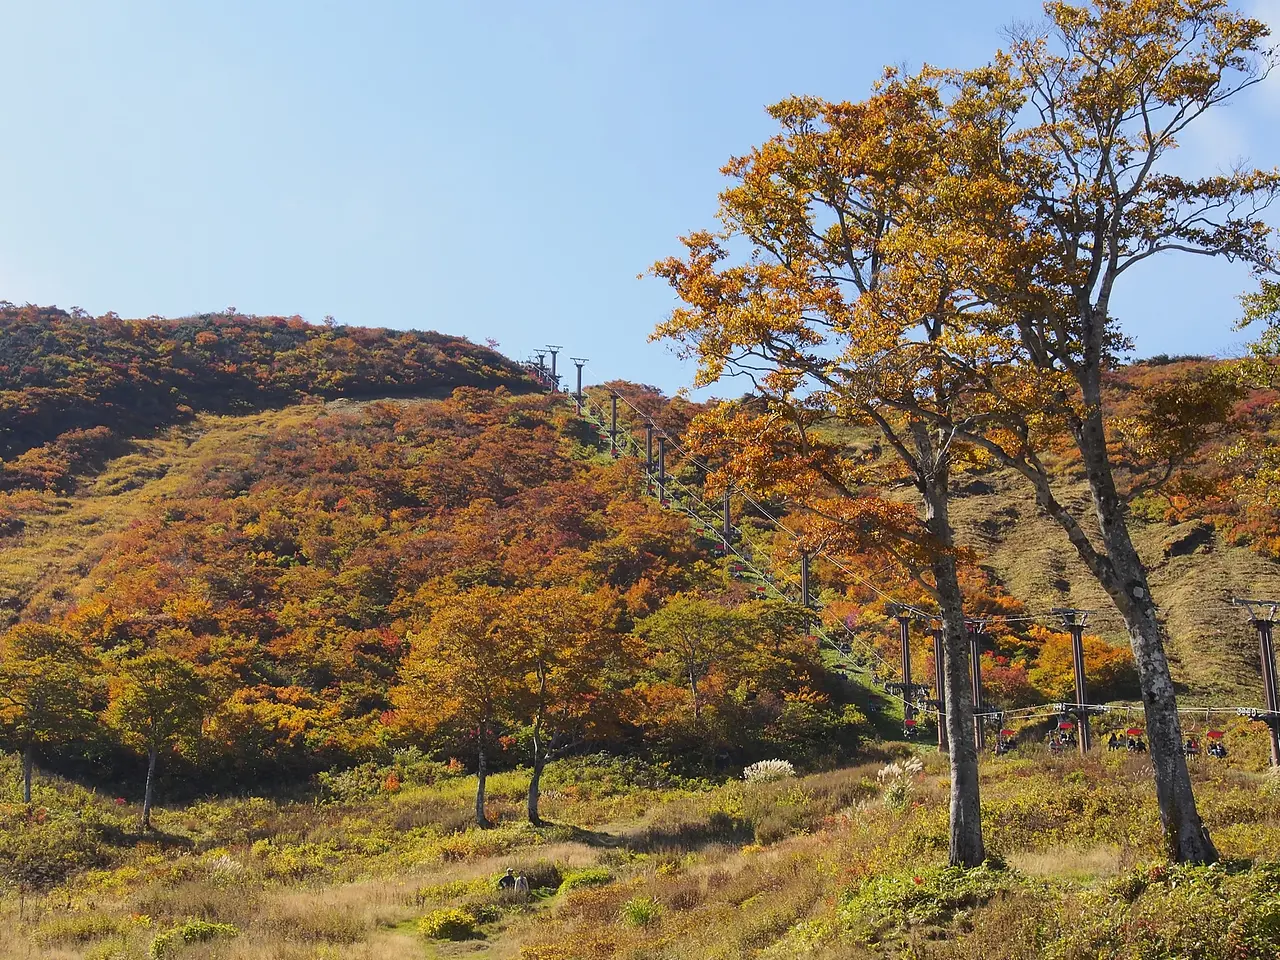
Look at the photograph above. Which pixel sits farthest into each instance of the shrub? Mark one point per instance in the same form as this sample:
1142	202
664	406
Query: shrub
76	928
175	938
604	775
44	847
587	877
931	896
768	770
449	923
896	781
542	875
641	911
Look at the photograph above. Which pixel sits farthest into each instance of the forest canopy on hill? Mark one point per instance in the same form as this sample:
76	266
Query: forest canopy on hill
71	383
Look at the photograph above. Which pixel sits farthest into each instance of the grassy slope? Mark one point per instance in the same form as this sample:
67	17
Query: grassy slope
65	536
829	865
1212	649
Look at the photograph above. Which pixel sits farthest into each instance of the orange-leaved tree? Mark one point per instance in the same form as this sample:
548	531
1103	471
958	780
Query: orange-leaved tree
851	297
465	671
1110	87
567	642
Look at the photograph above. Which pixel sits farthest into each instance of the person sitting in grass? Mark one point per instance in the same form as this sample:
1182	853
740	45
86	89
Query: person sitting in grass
522	887
507	881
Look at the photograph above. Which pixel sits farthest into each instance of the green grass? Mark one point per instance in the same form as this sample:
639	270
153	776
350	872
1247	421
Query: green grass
827	865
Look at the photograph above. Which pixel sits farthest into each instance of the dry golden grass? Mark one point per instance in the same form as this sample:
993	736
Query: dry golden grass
1069	862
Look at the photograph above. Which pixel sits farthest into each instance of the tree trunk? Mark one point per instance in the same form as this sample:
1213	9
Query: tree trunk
149	793
535	781
28	764
693	689
481	773
966	847
1186	839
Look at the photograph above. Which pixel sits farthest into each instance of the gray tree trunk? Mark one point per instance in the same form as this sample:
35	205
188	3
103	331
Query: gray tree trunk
28	765
966	846
148	794
1186	838
481	773
535	781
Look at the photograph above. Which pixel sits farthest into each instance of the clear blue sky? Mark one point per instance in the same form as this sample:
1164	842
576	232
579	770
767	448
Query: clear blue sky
500	169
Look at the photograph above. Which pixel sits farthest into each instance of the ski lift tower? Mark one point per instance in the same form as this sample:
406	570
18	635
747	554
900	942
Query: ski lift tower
554	349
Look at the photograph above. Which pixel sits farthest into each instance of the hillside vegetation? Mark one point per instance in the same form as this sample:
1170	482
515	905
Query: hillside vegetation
640	863
249	604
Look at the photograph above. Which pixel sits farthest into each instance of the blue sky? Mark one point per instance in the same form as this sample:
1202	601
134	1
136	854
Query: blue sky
500	169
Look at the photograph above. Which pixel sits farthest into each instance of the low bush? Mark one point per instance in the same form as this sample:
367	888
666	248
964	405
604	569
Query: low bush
587	877
169	943
449	923
75	928
928	897
641	911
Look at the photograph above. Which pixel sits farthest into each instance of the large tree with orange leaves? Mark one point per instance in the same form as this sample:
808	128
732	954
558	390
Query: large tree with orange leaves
851	303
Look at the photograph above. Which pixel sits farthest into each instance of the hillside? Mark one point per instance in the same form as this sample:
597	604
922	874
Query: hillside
1194	571
66	375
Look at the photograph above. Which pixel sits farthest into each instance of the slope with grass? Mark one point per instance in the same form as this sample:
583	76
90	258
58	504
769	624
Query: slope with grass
640	863
1194	570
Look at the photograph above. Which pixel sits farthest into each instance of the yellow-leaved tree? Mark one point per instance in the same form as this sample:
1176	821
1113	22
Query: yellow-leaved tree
841	285
465	672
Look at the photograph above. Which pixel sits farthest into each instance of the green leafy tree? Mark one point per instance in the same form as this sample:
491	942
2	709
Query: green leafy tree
568	642
689	636
45	692
157	700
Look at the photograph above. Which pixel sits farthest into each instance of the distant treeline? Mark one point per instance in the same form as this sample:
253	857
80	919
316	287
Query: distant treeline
63	372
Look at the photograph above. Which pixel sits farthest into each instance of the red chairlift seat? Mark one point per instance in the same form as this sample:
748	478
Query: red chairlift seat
909	723
762	590
1134	731
1066	725
1007	733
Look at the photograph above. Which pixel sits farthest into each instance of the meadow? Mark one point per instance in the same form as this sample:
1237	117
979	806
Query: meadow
636	861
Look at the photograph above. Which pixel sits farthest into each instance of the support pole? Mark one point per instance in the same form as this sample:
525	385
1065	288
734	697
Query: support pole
648	448
940	686
904	636
613	425
1263	622
662	470
578	362
554	349
1267	654
727	524
976	629
1082	693
805	599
